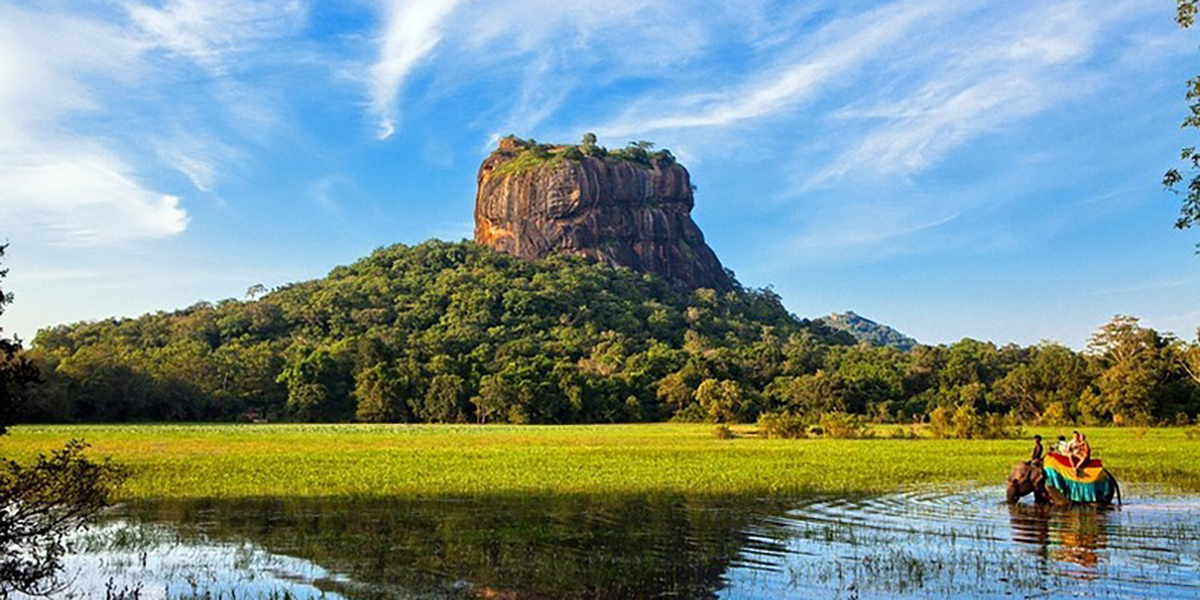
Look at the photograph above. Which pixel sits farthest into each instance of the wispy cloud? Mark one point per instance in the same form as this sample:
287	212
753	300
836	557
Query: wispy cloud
842	48
982	81
412	28
70	188
212	32
84	195
94	106
539	53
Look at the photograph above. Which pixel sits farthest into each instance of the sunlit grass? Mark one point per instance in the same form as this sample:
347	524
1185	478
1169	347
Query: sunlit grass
193	461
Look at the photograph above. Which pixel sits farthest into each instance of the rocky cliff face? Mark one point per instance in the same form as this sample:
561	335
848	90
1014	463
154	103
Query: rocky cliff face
613	210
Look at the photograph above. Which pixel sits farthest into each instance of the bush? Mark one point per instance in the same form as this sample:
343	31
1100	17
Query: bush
691	413
1056	414
41	505
904	433
782	425
843	425
939	422
967	424
723	432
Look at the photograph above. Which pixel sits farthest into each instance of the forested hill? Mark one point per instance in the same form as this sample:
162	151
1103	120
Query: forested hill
457	332
436	332
866	330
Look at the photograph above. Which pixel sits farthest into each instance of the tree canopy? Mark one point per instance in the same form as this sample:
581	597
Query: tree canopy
457	332
1189	174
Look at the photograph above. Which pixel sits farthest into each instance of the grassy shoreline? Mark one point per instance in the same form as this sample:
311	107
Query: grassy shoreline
282	460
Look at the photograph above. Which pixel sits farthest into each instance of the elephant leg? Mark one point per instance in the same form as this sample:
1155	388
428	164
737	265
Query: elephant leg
1057	498
1040	496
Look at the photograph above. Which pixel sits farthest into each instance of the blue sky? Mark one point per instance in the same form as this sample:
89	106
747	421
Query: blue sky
952	168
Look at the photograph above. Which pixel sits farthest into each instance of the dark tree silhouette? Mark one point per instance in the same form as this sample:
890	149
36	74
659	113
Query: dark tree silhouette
40	503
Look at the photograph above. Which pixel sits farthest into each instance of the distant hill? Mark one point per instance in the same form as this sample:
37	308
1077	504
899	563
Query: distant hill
866	330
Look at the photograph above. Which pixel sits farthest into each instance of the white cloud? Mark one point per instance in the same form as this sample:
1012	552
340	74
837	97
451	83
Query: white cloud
412	29
845	46
197	156
540	51
983	81
85	97
83	195
211	31
69	189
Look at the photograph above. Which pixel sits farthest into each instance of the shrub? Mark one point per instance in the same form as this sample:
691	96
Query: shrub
843	425
966	423
939	422
723	432
1056	414
904	433
691	413
781	425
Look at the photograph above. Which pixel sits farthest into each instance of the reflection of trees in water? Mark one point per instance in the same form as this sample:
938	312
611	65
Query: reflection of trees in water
1063	534
578	547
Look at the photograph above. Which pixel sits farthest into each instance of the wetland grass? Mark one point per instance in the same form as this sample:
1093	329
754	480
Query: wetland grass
283	460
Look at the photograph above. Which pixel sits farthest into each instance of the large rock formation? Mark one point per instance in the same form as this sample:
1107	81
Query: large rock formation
533	201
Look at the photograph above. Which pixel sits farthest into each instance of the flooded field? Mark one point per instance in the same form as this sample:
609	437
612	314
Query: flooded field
918	544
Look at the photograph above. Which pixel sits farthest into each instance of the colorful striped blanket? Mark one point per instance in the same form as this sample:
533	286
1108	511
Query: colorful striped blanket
1089	484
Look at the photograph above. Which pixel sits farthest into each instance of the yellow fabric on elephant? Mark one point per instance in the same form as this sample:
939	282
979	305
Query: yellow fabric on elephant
1092	471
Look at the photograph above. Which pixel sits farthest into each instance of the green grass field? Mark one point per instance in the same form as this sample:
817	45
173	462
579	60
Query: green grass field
196	461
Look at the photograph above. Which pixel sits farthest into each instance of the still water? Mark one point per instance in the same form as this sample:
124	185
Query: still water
925	544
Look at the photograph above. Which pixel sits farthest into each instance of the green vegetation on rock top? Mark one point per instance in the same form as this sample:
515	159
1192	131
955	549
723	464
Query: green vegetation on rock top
533	155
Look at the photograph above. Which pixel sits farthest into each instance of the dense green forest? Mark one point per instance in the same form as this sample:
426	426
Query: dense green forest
456	332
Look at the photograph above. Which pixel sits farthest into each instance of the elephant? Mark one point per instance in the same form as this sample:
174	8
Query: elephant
1030	476
1027	477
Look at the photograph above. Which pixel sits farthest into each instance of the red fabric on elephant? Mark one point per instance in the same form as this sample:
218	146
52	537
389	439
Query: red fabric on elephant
1065	461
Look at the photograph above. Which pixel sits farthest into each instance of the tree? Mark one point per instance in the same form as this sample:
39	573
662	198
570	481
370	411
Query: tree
720	399
41	504
1189	212
16	370
446	399
674	391
1134	361
382	394
813	394
1189	358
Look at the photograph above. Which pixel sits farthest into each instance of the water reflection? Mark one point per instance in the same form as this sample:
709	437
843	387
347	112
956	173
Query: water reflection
1072	535
486	547
918	544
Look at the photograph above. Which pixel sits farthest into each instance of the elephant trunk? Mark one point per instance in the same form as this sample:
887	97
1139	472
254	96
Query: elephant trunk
1012	494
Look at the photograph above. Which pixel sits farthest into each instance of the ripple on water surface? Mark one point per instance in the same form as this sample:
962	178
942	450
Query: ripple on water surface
955	544
919	544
